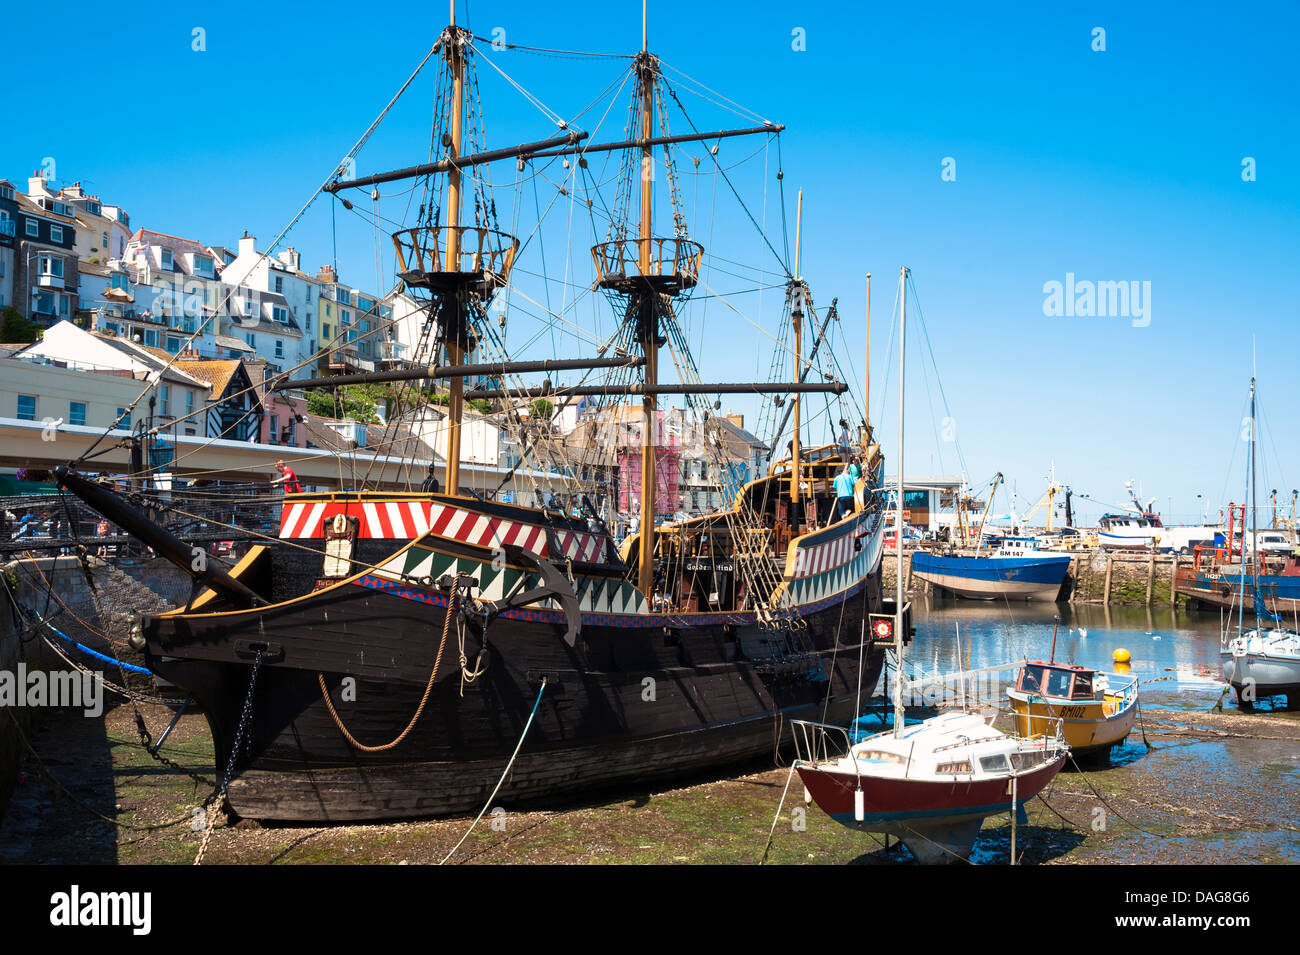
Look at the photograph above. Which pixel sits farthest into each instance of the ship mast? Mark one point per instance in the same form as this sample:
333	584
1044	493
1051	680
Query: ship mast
898	511
455	350
796	317
649	324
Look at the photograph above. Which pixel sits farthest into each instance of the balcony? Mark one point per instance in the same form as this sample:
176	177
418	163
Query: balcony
49	280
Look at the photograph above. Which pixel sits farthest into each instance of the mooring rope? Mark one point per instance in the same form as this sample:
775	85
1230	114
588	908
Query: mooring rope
428	688
509	766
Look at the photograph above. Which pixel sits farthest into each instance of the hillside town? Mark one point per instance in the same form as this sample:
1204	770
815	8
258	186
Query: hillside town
208	326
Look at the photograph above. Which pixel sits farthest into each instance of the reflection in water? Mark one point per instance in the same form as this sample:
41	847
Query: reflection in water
1181	650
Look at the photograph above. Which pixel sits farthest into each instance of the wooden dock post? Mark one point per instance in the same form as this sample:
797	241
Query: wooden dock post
1105	597
1173	581
907	582
1077	566
1151	578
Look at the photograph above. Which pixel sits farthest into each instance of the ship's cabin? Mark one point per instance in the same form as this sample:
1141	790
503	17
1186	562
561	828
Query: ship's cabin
1059	681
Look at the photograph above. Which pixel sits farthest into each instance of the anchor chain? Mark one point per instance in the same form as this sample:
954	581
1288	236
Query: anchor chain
214	801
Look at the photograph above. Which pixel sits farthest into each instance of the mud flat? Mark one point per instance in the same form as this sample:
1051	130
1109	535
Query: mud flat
1214	788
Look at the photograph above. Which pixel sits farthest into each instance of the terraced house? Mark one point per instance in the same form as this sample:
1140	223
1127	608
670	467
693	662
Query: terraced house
44	257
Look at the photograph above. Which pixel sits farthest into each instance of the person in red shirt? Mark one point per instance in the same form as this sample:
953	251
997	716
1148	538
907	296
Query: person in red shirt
287	478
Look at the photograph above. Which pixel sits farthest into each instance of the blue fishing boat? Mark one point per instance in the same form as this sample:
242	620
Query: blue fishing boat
1013	568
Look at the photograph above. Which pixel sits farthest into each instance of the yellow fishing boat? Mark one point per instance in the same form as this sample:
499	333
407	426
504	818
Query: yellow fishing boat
1097	710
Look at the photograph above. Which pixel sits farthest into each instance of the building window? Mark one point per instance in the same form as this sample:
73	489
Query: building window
274	433
6	192
151	337
327	310
64	306
165	400
119	280
26	407
122	420
95	209
167	262
104	241
279	348
33	227
189	402
203	264
76	412
250	308
325	332
281	315
50	265
248	340
173	344
56	233
279	283
44	304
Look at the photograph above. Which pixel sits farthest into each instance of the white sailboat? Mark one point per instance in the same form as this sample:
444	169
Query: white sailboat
1265	660
931	784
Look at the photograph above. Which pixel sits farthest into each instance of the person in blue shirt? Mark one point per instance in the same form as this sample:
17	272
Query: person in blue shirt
843	485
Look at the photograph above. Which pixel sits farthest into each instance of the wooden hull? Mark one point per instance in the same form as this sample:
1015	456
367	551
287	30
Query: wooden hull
640	696
1090	728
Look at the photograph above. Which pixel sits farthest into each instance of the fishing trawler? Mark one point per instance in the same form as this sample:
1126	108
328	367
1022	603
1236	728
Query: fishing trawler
1007	567
387	653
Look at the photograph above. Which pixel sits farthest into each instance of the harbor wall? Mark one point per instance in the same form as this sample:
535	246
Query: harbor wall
12	652
1114	579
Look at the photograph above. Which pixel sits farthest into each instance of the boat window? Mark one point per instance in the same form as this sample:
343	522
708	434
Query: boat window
1031	679
960	766
1082	686
879	756
1021	761
993	764
1058	683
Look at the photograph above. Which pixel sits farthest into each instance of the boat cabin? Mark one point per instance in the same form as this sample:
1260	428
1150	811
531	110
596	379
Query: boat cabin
1058	680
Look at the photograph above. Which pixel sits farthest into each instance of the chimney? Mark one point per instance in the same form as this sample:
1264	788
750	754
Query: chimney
737	419
326	274
36	185
247	244
290	257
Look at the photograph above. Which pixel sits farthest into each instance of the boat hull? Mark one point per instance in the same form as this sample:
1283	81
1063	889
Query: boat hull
1261	675
987	578
1280	593
937	820
637	696
1088	728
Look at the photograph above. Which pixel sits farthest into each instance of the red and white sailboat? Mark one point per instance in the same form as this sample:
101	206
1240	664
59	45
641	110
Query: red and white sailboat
931	784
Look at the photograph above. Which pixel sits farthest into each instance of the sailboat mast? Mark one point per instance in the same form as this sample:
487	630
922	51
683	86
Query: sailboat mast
898	511
796	317
1254	532
866	373
455	353
649	327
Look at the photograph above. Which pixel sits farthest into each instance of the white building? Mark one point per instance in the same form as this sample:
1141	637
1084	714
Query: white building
175	396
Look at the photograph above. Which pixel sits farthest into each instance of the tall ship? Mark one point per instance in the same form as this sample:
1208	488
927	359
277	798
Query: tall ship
390	654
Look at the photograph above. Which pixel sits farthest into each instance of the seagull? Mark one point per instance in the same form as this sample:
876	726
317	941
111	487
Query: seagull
1083	632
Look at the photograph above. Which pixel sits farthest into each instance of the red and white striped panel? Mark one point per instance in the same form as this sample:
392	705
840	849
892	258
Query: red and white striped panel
485	531
820	558
407	520
576	545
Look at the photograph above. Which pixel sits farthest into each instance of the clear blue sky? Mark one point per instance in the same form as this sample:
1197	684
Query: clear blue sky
1116	165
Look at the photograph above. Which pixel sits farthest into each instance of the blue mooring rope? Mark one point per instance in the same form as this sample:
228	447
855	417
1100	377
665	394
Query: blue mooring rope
95	653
